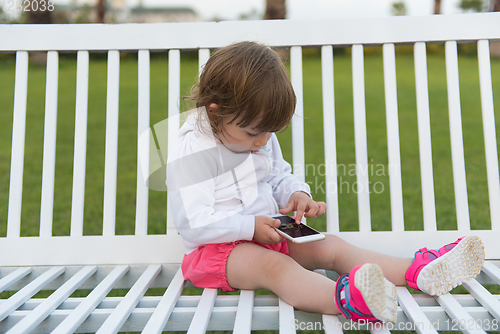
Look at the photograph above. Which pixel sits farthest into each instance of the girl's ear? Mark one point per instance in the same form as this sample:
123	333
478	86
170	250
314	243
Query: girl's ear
212	107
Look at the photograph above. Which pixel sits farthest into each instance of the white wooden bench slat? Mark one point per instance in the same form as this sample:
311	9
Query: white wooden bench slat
146	307
13	277
360	137
51	303
424	137
79	160
493	271
382	330
120	314
298	117
456	311
370	31
331	323
111	150
286	318
327	75
392	119
166	305
49	145
174	79
413	311
28	291
17	153
491	151
141	217
203	312
456	136
82	311
486	299
243	320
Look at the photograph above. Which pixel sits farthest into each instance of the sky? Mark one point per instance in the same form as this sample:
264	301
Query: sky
299	9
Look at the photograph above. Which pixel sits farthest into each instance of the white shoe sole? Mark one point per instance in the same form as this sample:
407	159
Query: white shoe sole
459	265
378	293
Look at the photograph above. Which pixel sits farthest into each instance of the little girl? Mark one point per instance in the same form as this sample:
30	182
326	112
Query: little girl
226	176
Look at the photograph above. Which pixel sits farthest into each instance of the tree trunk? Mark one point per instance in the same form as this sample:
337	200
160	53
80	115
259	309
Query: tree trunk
101	10
40	16
437	7
275	9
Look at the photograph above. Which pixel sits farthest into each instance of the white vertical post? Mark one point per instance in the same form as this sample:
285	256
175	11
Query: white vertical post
332	214
174	78
457	145
141	217
82	90
111	155
286	317
298	118
49	145
424	137
358	81
391	103
203	56
17	153
490	142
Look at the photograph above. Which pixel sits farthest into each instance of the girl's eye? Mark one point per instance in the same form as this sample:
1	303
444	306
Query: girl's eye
251	134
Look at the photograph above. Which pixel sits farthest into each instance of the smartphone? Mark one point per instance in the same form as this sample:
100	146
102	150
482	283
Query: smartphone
298	233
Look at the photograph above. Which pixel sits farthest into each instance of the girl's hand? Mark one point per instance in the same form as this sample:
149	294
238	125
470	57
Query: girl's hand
264	231
302	203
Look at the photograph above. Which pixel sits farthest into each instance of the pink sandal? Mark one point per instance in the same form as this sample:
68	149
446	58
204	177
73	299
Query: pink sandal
437	272
364	294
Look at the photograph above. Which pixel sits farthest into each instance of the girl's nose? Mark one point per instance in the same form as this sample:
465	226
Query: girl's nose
262	139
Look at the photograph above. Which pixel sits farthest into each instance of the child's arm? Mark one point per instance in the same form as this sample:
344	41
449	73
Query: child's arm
191	188
282	180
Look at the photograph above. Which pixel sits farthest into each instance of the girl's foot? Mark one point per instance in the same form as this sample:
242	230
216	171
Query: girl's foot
364	294
437	272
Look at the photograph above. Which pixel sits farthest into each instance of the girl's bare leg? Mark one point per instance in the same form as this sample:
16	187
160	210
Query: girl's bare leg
333	253
252	267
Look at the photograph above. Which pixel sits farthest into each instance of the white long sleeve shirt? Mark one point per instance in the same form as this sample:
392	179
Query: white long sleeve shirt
215	193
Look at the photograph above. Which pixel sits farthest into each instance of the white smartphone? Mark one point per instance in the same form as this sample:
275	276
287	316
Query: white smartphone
298	233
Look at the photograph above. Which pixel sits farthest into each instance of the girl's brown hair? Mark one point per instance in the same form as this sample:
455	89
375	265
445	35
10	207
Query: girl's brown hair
249	83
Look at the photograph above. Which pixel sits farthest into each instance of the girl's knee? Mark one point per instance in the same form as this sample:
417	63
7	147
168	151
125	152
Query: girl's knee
253	266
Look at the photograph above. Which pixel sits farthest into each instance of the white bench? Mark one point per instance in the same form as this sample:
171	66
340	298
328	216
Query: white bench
141	261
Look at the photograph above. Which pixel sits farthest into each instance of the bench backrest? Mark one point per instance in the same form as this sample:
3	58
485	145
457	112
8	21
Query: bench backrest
173	38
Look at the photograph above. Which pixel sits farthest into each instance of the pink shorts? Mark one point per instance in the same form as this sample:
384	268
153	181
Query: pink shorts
205	267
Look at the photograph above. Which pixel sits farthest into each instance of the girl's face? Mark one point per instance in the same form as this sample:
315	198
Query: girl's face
243	139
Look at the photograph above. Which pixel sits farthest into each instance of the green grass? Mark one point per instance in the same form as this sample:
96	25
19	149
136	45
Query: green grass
348	211
376	132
